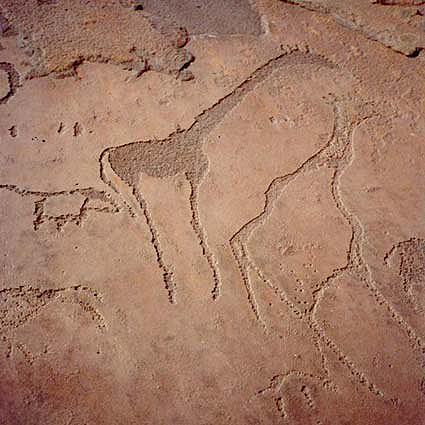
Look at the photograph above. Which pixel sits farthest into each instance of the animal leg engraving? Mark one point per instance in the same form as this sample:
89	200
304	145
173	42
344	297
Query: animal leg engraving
167	273
200	233
181	153
335	154
305	380
244	269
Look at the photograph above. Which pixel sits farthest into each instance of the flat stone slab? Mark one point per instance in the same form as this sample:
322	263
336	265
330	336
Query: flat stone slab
222	224
217	17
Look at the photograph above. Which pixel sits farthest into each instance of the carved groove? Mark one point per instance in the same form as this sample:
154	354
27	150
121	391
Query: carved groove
333	155
13	79
181	154
411	268
22	304
88	194
337	155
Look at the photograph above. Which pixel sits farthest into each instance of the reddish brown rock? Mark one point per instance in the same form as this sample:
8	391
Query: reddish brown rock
243	248
399	2
59	36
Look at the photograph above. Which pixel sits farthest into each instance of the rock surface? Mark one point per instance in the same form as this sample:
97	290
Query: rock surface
374	22
241	245
59	35
214	17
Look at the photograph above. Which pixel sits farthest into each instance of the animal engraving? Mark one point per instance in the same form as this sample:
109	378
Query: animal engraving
23	304
181	154
91	201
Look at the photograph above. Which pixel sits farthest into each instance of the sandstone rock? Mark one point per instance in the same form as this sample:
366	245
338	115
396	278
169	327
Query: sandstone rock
375	24
59	36
399	2
245	247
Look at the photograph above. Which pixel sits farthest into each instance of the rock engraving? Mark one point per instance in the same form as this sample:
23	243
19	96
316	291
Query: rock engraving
278	383
13	79
409	256
22	304
181	153
89	198
336	155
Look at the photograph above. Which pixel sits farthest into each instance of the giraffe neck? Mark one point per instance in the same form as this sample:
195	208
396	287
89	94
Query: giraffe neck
210	118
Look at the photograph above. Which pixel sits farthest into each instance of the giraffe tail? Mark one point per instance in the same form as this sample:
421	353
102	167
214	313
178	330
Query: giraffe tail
111	179
104	165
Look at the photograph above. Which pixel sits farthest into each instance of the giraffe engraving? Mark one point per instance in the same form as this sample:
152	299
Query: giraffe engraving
181	153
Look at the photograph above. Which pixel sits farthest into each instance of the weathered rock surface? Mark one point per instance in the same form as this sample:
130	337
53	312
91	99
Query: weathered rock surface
246	247
59	35
373	22
399	2
224	17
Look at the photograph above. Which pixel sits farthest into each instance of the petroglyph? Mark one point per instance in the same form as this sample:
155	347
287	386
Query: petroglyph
89	200
13	131
23	304
181	153
409	257
336	155
263	200
77	129
278	382
13	80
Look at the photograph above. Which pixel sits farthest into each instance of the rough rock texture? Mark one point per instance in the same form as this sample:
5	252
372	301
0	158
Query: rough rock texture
374	22
211	17
59	35
399	2
247	247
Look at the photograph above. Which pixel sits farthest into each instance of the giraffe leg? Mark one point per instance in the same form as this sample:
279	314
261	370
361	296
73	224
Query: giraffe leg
201	235
135	202
167	272
243	263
